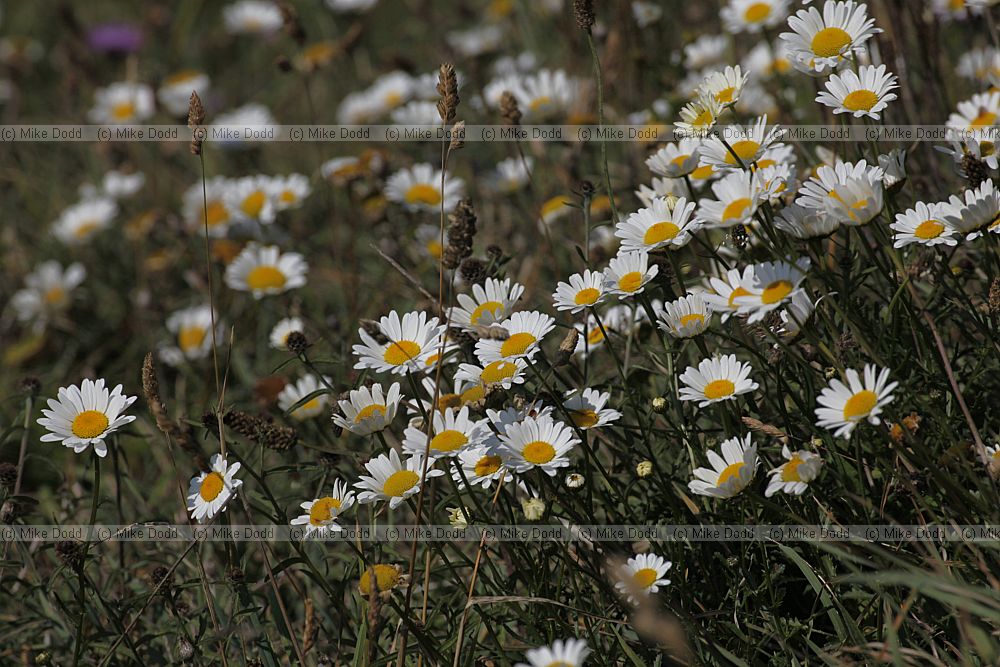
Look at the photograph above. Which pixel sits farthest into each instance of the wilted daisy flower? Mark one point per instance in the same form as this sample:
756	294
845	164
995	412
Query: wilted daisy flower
628	273
288	192
367	410
480	467
978	213
418	188
725	289
794	475
924	224
252	17
771	285
660	225
191	329
586	408
281	331
748	144
738	196
725	86
844	406
80	222
392	480
753	15
805	223
698	117
685	317
47	291
865	93
490	303
546	94
85	415
321	513
409	341
716	379
249	198
122	103
293	393
820	42
216	214
263	270
175	91
583	290
500	373
210	490
730	473
525	332
676	159
562	653
642	575
537	442
452	432
856	201
981	111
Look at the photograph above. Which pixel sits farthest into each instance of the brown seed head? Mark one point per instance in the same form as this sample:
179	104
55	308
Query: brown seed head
509	110
583	10
447	89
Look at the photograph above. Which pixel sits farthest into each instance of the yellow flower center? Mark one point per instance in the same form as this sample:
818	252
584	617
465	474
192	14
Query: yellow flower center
660	232
538	452
736	209
498	371
725	96
630	282
860	100
399	483
745	149
860	405
730	472
540	103
216	213
776	291
434	249
123	111
702	172
386	578
393	99
85	229
517	344
737	292
288	196
588	296
265	277
757	12
89	424
553	205
55	296
595	336
369	411
473	394
180	77
704	118
830	42
928	229
584	418
211	486
191	338
400	352
421	193
719	389
984	119
487	465
323	510
448	441
693	318
680	160
644	578
790	471
253	203
494	308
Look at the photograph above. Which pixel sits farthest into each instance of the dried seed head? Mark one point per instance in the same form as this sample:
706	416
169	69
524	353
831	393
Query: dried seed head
761	427
974	170
473	271
457	136
447	89
994	298
583	10
292	24
567	347
461	233
30	385
196	118
297	343
311	629
8	476
509	110
162	576
181	434
235	575
70	553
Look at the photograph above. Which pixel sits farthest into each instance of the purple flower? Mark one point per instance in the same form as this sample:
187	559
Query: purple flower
119	38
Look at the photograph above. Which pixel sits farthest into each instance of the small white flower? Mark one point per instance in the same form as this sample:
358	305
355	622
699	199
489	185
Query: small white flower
924	224
490	303
685	317
81	222
537	443
86	415
562	653
47	291
279	334
453	431
794	475
663	224
367	410
586	408
210	490
321	513
252	17
628	273
410	341
294	393
844	406
730	473
865	93
392	480
643	575
264	270
122	103
716	379
418	188
582	291
525	331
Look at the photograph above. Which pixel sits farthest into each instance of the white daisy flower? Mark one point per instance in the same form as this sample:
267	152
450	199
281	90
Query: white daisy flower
81	222
765	63
685	317
805	223
122	103
978	64
191	330
490	303
705	51
738	196
844	406
252	17
582	291
175	91
481	467
979	212
646	13
418	188
241	120
476	41
819	43
263	270
282	330
818	189
856	201
698	117
500	373
591	336
771	285
562	653
367	410
409	342
391	91
210	490
954	9
753	15
321	513
216	214
725	86
642	575
48	291
794	475
249	199
525	329
288	192
730	473
546	94
341	170
865	93
924	224
748	143
463	392
85	415
723	291
452	432
628	273
305	386
979	112
586	408
392	480
501	419
535	442
676	159
977	147
795	314
511	175
416	112
716	379
660	225
119	184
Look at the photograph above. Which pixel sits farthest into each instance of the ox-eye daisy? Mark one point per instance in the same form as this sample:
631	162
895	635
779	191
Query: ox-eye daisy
292	394
535	442
489	303
979	212
746	145
480	467
725	86
582	291
86	415
122	103
725	289
47	291
698	117
685	317
525	331
367	410
586	409
391	479
793	476
844	406
409	342
282	330
501	373
771	285
730	473
249	198
820	42
210	490
716	379
321	513
825	185
463	392
979	112
660	225
191	330
924	224
453	431
263	270
805	223
252	17
676	160
855	202
175	91
865	93
643	575
418	188
80	222
753	15
207	207
562	653
739	194
288	192
628	273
